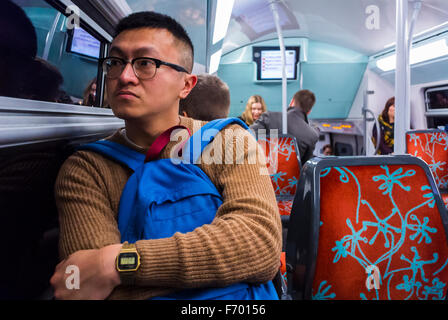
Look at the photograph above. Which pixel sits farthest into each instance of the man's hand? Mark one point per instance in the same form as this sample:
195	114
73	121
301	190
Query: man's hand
97	274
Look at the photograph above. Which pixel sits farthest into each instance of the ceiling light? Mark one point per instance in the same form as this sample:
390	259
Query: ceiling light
222	18
435	28
419	54
214	61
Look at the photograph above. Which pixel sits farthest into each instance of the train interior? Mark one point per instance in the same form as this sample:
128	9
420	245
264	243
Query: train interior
344	51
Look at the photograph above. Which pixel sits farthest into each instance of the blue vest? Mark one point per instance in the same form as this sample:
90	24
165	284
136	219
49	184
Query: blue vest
162	198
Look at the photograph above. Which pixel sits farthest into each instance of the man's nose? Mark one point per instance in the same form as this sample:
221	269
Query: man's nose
128	74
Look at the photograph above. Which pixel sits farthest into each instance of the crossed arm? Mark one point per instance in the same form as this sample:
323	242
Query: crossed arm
243	242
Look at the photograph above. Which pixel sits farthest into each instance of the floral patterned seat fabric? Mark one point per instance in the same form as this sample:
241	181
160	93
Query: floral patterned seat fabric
432	147
381	235
283	164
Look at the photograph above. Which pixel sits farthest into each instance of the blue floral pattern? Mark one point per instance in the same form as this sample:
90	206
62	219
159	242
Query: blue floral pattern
281	150
284	168
390	233
427	146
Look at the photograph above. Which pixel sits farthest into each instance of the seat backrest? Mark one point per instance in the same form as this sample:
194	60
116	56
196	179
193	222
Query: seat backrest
283	162
29	215
432	147
372	228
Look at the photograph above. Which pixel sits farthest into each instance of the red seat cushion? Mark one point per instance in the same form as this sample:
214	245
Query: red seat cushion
283	164
445	198
284	207
432	147
384	217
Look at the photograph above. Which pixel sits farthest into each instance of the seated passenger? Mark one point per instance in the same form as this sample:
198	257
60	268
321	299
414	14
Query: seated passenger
89	93
209	99
45	82
327	150
386	120
18	49
255	106
240	247
24	75
299	108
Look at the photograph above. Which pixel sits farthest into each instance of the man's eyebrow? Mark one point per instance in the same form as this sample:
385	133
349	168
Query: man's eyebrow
117	50
145	50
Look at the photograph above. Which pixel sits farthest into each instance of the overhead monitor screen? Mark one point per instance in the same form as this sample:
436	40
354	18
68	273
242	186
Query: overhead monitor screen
81	42
269	62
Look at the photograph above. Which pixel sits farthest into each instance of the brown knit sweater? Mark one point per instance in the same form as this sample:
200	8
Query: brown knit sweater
242	244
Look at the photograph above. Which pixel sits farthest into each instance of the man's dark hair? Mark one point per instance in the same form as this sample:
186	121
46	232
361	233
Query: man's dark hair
304	99
18	48
17	34
46	81
154	20
209	99
327	146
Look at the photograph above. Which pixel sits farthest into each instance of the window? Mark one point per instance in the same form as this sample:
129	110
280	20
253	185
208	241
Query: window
44	59
437	98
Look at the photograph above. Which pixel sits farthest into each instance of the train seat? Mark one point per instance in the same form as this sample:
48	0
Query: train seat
431	146
368	228
28	174
283	163
29	218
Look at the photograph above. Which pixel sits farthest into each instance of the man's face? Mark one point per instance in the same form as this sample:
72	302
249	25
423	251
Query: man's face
132	98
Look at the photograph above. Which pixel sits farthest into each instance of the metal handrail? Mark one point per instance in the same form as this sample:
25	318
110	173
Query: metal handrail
378	128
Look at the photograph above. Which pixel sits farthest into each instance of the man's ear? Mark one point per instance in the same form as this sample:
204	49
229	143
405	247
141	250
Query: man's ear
189	83
184	113
291	103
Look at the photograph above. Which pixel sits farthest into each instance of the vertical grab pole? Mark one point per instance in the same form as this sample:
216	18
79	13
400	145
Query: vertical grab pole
415	14
364	123
273	6
402	84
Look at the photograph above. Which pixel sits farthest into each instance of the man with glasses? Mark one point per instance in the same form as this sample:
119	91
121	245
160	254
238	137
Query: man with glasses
148	70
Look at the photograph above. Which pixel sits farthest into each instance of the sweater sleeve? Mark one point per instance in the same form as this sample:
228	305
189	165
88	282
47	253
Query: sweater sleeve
243	242
87	218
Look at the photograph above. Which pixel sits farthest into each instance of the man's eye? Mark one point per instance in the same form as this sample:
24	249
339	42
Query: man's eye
145	63
114	63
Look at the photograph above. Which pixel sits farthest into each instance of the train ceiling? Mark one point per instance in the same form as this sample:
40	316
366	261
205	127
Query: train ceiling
338	22
346	23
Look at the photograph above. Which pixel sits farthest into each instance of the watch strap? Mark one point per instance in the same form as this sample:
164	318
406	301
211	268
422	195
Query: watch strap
127	277
127	245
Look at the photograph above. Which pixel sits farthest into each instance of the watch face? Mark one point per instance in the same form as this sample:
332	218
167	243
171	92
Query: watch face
127	261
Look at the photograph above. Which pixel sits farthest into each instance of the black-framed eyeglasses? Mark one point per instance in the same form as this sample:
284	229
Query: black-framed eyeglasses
144	68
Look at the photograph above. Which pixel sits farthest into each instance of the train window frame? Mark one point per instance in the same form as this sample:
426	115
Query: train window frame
26	122
95	30
256	58
89	25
